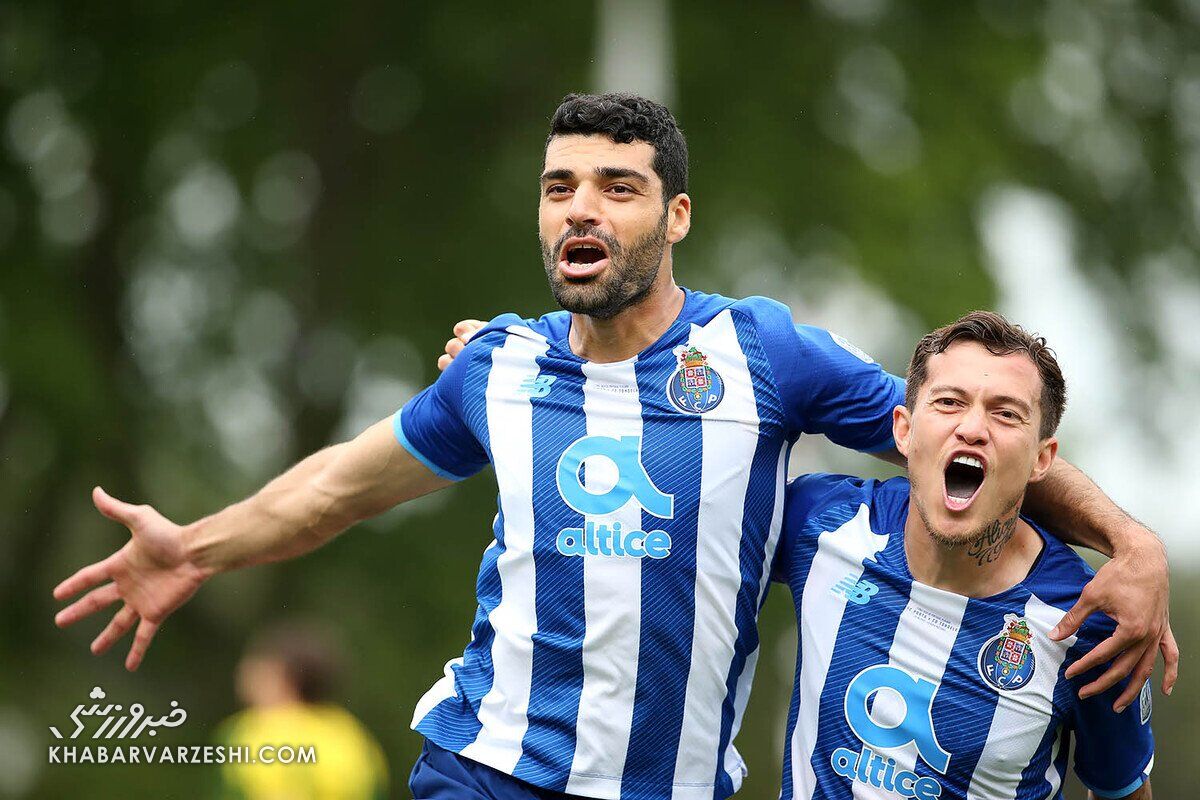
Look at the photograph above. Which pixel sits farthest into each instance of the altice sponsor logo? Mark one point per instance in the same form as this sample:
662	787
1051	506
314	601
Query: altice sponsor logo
600	540
909	723
616	477
880	771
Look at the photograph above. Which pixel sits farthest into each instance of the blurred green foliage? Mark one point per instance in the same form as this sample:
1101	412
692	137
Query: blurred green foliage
233	233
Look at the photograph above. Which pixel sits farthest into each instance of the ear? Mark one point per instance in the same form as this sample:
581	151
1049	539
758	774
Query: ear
901	429
1047	451
679	218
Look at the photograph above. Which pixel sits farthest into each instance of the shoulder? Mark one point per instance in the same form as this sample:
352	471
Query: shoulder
500	327
769	318
810	497
1059	578
538	333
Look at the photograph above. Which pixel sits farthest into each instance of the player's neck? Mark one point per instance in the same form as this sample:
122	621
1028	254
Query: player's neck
633	329
997	559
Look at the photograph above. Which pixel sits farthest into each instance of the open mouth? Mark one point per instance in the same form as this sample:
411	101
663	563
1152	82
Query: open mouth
963	478
583	258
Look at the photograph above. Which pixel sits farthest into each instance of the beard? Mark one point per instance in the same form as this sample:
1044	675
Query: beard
972	539
626	281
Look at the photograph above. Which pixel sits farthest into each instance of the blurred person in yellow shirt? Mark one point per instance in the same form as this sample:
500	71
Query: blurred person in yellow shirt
286	680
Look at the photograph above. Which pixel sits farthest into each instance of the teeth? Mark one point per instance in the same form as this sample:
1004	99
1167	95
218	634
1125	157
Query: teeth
969	461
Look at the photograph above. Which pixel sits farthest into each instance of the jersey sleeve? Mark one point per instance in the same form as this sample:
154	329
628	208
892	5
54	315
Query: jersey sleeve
1113	752
806	499
827	385
432	425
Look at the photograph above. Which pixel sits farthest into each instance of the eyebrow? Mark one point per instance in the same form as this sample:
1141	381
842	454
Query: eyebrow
1002	399
608	173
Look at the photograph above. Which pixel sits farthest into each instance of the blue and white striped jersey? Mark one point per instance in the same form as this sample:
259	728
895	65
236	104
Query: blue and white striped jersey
639	504
907	691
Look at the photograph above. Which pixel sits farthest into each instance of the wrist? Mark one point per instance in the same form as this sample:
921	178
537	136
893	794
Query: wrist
198	551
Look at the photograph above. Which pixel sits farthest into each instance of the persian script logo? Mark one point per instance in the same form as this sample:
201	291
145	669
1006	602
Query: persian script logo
120	722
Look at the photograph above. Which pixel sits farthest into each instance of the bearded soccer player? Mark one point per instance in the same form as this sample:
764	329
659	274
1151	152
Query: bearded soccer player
639	439
925	666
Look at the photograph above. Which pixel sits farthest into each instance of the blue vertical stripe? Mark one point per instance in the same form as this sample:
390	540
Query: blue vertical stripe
863	640
449	722
962	714
671	454
549	743
758	510
797	549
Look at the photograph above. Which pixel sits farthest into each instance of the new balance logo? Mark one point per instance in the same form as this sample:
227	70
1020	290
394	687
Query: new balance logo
857	592
536	385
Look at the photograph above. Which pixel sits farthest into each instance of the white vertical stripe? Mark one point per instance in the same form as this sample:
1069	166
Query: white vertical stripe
1052	775
612	589
729	438
925	635
1022	715
732	761
839	553
503	710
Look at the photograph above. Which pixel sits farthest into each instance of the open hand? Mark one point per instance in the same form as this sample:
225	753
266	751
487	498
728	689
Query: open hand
150	574
1132	588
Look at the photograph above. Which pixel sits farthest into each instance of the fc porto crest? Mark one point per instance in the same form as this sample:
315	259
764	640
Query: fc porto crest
1006	661
695	387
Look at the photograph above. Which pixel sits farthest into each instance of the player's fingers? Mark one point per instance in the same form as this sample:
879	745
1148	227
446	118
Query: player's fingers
118	626
1100	654
1071	621
1170	651
141	641
454	347
443	362
1137	679
85	578
1121	666
116	510
464	328
87	605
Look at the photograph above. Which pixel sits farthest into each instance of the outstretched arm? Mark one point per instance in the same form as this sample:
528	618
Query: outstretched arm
164	564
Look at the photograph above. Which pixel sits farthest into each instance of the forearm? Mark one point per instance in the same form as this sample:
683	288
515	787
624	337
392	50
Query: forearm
310	504
1075	508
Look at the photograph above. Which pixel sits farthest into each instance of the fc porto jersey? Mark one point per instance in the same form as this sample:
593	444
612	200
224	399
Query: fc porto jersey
639	504
907	691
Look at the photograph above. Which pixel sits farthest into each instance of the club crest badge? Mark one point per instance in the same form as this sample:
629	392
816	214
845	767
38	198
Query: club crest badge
695	387
1006	661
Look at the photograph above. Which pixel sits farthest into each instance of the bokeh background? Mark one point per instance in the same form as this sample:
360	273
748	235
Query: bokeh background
232	233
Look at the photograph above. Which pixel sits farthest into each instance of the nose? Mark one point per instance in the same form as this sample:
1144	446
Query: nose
972	426
585	207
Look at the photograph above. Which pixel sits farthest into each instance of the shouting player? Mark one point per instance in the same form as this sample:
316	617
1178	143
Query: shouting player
925	666
639	439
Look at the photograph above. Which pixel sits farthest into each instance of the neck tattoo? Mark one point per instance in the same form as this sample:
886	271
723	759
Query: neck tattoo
989	543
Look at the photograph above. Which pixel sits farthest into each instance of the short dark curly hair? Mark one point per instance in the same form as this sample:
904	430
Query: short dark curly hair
1001	338
625	118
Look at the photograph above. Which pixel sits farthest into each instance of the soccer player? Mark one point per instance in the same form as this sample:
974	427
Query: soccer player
639	440
925	666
